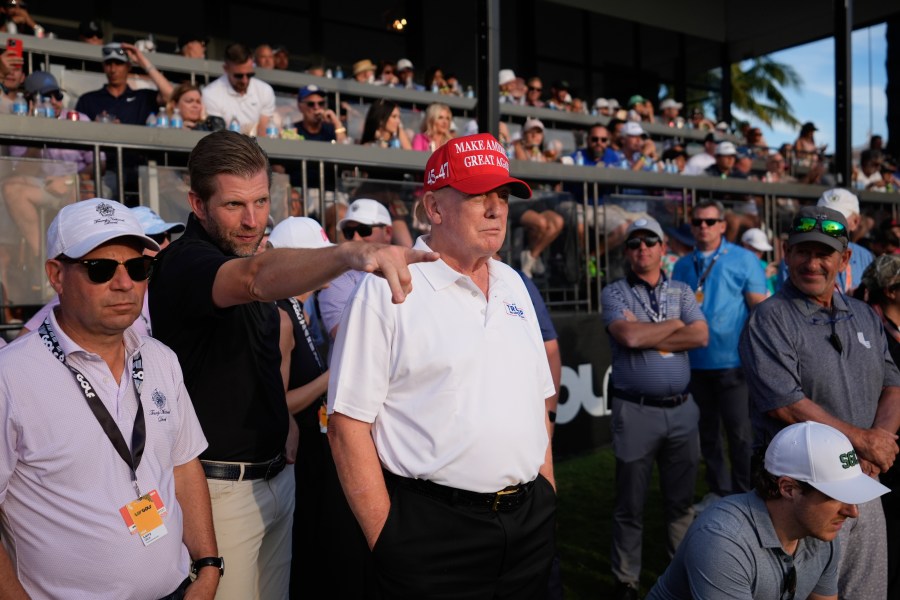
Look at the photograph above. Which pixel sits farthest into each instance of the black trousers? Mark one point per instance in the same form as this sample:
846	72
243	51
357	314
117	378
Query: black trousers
431	549
179	593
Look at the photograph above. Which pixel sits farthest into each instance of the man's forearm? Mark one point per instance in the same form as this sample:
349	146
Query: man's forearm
640	336
695	335
10	587
192	493
887	416
359	470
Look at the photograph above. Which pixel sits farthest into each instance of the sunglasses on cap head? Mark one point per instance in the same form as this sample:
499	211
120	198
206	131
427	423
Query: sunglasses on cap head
709	222
364	231
829	227
635	242
111	52
101	270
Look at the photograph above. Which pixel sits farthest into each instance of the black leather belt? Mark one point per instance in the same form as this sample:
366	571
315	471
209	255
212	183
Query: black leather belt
656	401
243	471
505	500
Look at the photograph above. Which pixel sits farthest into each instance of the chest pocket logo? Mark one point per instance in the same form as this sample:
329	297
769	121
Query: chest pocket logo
513	310
862	339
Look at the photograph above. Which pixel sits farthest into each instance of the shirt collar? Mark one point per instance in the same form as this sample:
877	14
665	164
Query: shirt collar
439	274
195	230
133	341
634	280
806	306
765	530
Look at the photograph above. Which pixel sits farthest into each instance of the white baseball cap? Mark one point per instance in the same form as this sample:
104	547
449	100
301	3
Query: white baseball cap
532	124
80	227
841	200
670	103
824	458
506	76
299	232
601	103
726	149
403	64
152	223
633	128
366	212
757	239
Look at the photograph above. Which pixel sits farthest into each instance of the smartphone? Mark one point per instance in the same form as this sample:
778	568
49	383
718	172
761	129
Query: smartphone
15	46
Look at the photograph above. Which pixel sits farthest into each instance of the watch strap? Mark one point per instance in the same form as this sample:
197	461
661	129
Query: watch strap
209	561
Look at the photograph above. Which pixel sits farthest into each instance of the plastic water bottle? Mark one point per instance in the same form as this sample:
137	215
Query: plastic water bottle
435	88
338	72
151	120
287	124
271	129
329	74
579	159
395	142
176	122
47	108
162	119
624	163
20	106
234	125
470	93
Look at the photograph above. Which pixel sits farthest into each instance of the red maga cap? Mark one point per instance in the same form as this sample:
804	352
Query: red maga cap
473	164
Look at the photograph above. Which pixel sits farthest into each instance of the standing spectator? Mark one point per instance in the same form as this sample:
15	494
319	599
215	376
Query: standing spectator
65	488
192	45
779	540
263	57
406	74
319	123
383	126
121	103
90	32
237	94
846	203
701	161
727	281
756	241
534	92
652	323
225	330
483	493
435	128
812	353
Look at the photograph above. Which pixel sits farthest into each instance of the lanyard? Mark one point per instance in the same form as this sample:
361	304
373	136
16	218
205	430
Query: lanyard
720	252
138	434
656	311
298	312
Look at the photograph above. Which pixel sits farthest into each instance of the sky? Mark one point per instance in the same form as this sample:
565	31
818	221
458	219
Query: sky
814	101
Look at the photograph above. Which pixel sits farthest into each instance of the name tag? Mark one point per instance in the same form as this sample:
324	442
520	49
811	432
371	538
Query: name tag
144	516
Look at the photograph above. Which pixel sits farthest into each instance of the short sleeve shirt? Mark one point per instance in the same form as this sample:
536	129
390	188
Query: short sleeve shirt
649	371
733	552
736	271
131	108
453	382
334	298
787	356
221	100
548	331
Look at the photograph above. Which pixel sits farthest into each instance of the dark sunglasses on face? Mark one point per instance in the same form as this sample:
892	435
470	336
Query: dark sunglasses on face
635	242
243	75
709	222
101	270
364	231
535	89
595	139
830	228
315	104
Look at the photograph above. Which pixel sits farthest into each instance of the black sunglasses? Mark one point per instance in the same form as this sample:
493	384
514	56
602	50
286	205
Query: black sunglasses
243	75
108	52
315	104
101	270
364	231
535	89
790	583
595	139
635	242
709	222
829	227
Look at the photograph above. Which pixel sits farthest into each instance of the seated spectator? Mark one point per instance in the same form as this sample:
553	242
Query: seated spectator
507	81
192	45
15	19
453	86
435	128
13	80
188	99
698	163
531	145
264	57
805	149
238	94
640	109
383	127
406	74
888	177
669	115
534	92
364	71
386	73
90	32
578	106
282	58
868	175
434	80
633	149
723	167
316	69
602	107
559	95
542	225
676	156
121	103
698	121
597	143
743	164
319	123
754	143
776	169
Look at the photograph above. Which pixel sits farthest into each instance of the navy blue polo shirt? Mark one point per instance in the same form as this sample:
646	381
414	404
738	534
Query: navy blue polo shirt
132	107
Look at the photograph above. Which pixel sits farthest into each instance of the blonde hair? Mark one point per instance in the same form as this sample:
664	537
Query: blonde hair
431	114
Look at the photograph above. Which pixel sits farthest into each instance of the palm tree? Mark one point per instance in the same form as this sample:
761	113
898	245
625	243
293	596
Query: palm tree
756	89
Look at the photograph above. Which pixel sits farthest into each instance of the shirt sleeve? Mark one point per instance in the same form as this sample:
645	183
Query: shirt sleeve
548	331
718	568
690	310
268	101
334	298
756	275
211	103
9	441
613	304
771	362
189	261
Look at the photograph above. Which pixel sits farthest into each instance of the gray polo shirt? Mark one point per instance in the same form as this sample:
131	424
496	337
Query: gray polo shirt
732	551
650	372
787	356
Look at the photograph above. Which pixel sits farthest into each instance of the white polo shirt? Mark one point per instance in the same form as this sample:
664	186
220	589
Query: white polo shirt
453	382
62	482
221	100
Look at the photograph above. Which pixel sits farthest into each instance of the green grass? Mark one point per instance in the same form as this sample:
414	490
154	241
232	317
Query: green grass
586	493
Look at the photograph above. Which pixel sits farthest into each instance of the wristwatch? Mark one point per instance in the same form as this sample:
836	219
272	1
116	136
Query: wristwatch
209	561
